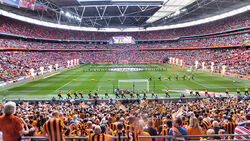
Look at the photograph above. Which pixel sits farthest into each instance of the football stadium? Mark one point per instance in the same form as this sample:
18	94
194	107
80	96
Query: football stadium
124	70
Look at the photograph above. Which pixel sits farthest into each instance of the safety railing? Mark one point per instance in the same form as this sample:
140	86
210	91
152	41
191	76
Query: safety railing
152	137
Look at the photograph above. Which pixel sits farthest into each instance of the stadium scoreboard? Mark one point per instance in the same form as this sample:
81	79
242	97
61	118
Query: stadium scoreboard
122	40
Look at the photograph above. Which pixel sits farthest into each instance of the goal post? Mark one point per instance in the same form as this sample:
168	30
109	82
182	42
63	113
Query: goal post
134	84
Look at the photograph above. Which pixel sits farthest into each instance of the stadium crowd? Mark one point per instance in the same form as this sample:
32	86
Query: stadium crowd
142	118
12	26
238	39
18	64
15	64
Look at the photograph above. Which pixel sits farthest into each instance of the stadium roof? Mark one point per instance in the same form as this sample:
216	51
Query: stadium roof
127	15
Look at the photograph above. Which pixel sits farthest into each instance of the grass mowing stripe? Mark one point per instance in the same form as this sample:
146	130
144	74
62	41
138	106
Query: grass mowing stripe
46	88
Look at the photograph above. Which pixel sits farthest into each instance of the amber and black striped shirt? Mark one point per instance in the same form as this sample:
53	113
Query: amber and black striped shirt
164	132
54	129
113	126
99	137
229	127
131	129
119	135
206	125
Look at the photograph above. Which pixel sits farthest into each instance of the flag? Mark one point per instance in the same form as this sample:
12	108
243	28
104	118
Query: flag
11	2
27	4
40	6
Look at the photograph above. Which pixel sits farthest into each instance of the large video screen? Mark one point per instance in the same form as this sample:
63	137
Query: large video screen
122	40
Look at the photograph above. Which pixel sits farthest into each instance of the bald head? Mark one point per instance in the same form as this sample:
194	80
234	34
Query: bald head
216	124
89	124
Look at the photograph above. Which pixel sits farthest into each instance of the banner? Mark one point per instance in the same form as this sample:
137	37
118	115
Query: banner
27	4
40	6
11	2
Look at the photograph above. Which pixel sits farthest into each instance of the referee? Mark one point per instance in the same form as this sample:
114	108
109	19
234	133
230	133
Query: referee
54	127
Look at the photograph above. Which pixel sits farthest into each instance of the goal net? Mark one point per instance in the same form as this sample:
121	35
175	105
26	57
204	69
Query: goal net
134	85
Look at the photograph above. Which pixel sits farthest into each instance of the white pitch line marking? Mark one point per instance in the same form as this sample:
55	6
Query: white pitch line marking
63	85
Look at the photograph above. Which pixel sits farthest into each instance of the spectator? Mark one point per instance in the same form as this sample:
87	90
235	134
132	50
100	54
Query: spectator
216	128
222	132
151	130
194	128
10	125
210	132
177	130
98	135
54	127
243	130
229	126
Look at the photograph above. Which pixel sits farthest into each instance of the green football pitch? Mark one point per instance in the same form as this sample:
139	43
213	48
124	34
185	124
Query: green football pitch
78	79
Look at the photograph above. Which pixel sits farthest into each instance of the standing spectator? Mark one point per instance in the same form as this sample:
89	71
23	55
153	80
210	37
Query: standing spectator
141	132
210	132
54	128
216	128
194	128
98	135
177	130
221	132
10	125
244	122
151	130
229	126
242	130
